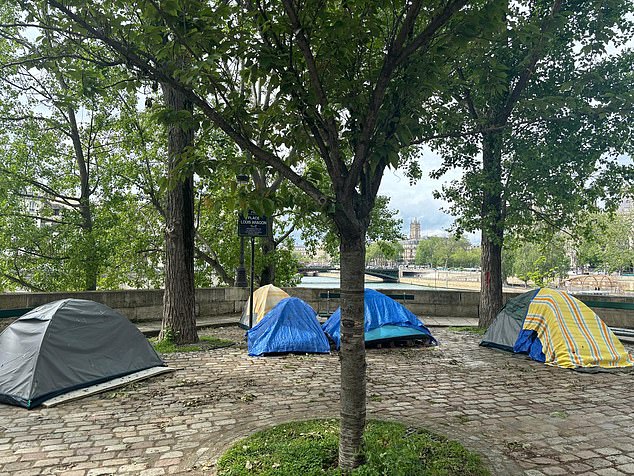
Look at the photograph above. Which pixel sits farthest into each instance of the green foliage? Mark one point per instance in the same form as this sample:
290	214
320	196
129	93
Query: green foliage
310	448
71	219
608	243
447	252
470	329
539	263
559	126
168	346
383	252
318	232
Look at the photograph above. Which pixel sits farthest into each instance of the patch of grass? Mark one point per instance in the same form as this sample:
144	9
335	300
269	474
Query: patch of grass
167	346
463	418
212	342
471	329
310	448
562	414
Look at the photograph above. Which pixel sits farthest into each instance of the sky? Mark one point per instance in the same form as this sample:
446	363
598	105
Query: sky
417	201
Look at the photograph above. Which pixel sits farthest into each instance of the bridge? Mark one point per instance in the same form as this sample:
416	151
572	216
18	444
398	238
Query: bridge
388	275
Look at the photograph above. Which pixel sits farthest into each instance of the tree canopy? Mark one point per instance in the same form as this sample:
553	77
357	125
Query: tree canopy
348	103
447	252
536	117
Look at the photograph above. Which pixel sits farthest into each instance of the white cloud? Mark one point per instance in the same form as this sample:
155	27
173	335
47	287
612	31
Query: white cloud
417	201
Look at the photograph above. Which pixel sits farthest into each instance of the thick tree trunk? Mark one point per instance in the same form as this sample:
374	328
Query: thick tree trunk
492	219
179	320
352	353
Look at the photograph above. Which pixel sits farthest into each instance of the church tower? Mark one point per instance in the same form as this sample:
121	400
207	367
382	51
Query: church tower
414	230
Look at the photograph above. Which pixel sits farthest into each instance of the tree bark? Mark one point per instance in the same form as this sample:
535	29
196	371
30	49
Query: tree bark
352	352
179	319
492	220
267	276
91	261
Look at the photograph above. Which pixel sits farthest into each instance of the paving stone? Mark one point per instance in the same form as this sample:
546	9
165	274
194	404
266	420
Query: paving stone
608	472
626	468
598	463
132	468
578	467
152	472
554	470
504	407
620	459
101	471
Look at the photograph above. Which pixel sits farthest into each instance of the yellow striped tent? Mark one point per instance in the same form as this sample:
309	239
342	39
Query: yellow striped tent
553	327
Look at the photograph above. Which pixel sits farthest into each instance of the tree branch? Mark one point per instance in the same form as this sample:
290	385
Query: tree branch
284	236
37	217
149	67
332	131
551	223
22	282
423	40
212	260
533	57
396	55
467	97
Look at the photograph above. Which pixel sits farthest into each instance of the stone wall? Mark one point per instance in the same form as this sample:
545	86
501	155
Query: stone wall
145	305
425	303
137	305
439	303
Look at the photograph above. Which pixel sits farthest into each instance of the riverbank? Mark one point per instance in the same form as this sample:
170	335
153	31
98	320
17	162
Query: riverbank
470	281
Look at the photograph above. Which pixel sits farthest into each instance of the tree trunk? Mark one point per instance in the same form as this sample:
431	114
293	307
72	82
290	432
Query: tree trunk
89	250
492	220
267	276
352	352
491	281
179	320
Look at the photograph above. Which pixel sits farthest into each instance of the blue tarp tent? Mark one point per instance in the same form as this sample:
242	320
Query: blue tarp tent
291	326
385	319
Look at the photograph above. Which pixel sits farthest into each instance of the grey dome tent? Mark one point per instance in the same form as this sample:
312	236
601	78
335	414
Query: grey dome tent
66	345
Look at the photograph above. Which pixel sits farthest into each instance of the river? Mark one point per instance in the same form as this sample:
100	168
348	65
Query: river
333	283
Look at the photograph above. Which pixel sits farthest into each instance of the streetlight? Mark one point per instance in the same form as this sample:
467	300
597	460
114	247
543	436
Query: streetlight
241	273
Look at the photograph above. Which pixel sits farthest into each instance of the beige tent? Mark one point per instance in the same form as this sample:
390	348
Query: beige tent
264	299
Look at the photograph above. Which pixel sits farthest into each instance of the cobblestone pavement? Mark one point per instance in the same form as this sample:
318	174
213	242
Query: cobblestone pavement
523	417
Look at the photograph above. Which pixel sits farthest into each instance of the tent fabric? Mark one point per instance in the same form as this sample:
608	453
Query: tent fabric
382	312
571	334
559	330
66	345
502	334
528	343
264	299
291	326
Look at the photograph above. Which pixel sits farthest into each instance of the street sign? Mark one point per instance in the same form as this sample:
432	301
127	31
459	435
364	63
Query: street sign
253	225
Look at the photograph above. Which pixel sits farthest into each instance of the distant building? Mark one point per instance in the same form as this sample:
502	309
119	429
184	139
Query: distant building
410	246
414	230
317	258
41	207
627	208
